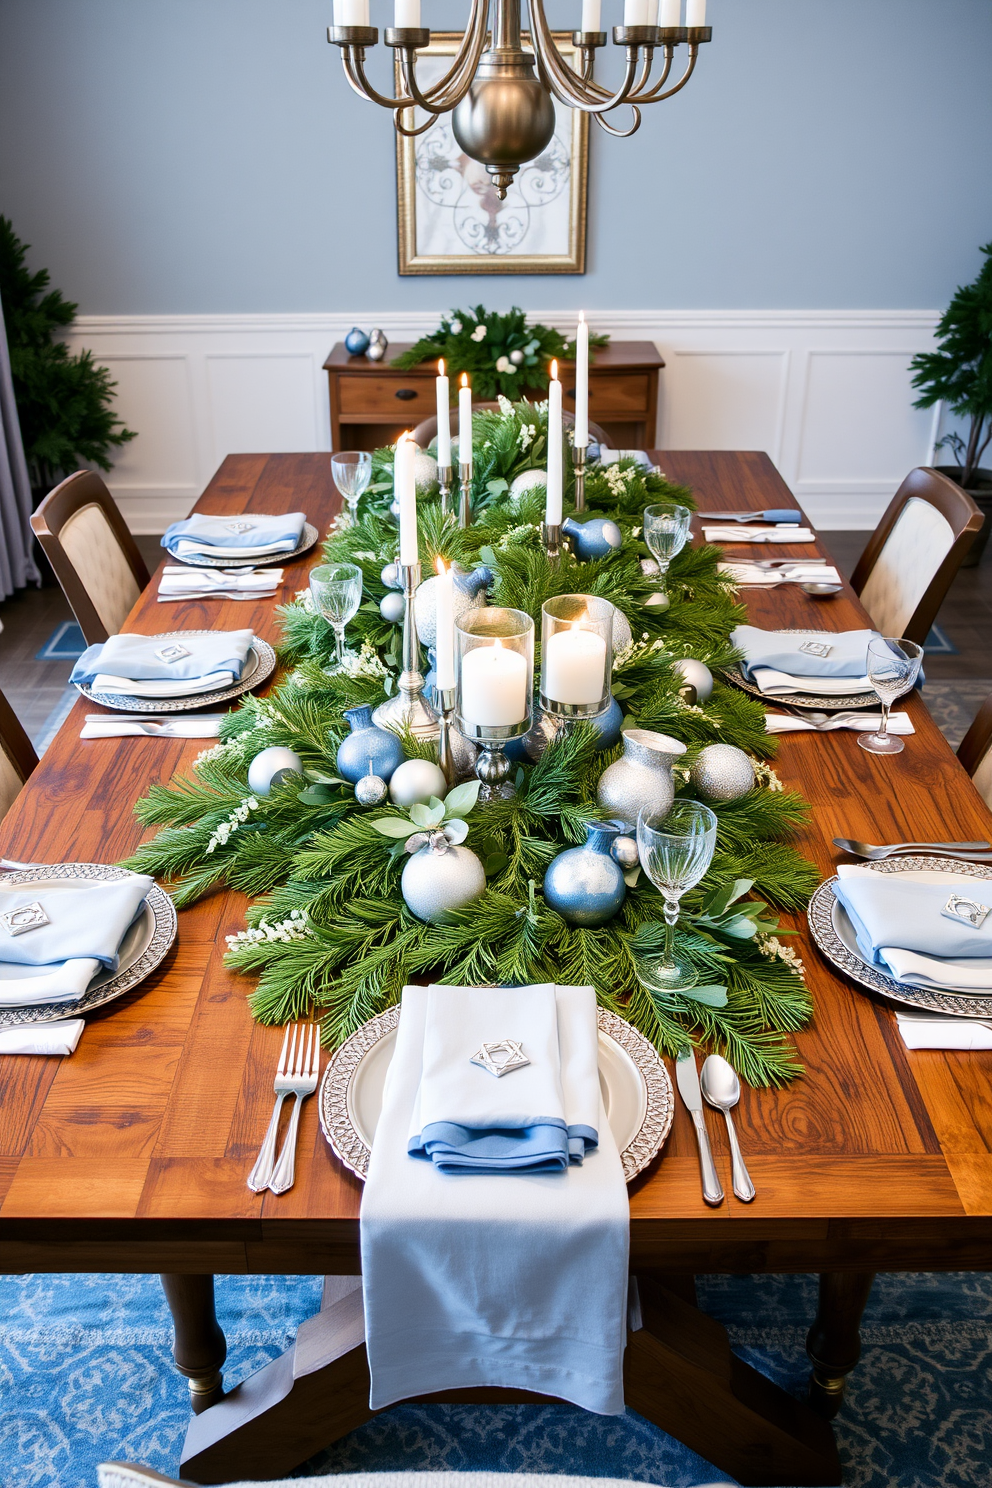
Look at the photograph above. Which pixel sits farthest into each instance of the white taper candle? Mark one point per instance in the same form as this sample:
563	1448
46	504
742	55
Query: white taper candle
695	12
443	417
445	622
465	422
580	436
591	15
405	490
670	13
406	13
552	509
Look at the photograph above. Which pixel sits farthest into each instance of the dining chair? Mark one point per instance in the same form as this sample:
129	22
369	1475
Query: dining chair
132	1475
17	756
427	428
914	554
95	558
975	751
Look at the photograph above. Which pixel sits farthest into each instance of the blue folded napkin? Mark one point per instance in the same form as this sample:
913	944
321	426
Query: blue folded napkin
44	924
783	651
893	912
235	536
164	658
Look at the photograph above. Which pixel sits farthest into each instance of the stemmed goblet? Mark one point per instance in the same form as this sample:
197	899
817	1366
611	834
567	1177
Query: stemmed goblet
675	849
893	667
666	531
352	471
336	590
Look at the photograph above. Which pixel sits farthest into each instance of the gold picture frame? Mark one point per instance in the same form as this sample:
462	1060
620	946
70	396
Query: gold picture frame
449	219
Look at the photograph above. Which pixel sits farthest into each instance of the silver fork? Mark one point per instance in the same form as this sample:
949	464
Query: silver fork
876	852
258	1178
301	1083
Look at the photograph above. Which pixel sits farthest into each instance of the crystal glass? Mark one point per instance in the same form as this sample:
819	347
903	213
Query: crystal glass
336	590
666	532
893	667
494	687
576	655
352	471
675	849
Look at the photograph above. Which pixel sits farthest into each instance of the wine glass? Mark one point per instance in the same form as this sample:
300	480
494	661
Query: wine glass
893	667
666	531
352	471
675	849
336	590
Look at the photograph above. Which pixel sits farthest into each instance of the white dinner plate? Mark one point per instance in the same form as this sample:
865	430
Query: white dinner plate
819	701
834	934
637	1091
308	537
144	946
260	663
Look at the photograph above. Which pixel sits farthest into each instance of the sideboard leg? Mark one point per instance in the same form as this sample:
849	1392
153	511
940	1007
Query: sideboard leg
200	1347
834	1341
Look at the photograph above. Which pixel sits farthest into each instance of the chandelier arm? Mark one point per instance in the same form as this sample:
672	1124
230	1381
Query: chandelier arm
645	73
656	96
455	82
354	68
412	133
620	133
562	79
428	102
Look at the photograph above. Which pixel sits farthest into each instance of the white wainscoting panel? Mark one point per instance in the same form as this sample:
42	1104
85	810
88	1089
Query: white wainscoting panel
826	393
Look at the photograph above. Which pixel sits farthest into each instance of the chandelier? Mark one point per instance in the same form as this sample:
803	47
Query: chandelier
503	114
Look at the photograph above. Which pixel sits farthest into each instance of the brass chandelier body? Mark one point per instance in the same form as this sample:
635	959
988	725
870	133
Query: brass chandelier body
503	114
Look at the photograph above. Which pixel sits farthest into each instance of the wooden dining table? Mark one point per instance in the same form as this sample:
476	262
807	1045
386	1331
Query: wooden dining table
132	1154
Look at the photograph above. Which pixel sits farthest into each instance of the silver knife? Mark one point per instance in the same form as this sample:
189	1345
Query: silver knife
687	1077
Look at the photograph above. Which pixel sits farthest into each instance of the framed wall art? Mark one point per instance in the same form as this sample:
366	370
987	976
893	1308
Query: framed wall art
450	219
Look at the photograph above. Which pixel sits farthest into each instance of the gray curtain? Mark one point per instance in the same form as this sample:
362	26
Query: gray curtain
17	565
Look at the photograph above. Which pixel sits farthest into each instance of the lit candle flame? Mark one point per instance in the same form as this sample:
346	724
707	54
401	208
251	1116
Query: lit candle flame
441	566
554	371
440	366
464	379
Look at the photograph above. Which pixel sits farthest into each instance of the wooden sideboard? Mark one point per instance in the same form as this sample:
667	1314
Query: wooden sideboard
373	402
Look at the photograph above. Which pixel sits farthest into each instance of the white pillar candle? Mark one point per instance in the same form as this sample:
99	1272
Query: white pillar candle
443	417
445	621
351	12
574	666
465	422
406	13
670	13
695	12
580	436
635	12
591	13
405	491
494	686
552	508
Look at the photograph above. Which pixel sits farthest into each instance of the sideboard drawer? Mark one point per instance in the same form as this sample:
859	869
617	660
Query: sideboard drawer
396	395
618	395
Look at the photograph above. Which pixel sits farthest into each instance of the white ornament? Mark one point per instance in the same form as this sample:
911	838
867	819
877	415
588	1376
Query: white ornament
697	675
416	780
722	772
464	597
526	481
391	607
622	636
517	357
424	473
440	878
271	768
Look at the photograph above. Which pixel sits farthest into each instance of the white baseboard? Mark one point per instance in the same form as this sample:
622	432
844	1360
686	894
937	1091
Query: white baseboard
826	392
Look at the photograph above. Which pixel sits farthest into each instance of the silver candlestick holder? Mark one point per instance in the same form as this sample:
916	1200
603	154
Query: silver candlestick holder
493	766
579	468
408	708
444	483
465	504
551	538
444	702
494	671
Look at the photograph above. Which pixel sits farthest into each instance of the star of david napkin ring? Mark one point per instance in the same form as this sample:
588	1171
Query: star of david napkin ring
502	1057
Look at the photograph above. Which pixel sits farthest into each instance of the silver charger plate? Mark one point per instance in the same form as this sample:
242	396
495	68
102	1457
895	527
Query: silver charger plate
868	699
637	1091
834	934
145	945
308	537
260	663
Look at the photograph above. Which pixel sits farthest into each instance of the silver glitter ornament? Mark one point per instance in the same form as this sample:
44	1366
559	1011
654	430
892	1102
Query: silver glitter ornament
722	772
697	675
391	576
440	877
526	481
622	635
424	472
391	607
624	852
377	345
271	768
371	790
468	593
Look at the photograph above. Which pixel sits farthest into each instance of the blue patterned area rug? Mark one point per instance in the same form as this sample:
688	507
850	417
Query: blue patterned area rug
86	1374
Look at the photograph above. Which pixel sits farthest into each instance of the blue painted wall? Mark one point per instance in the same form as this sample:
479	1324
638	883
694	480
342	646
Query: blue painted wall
170	156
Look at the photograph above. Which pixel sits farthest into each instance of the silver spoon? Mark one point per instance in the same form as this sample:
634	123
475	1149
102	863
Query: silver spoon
876	851
821	591
722	1089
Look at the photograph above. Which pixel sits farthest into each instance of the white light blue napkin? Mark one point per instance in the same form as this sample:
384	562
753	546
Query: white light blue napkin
42	1038
782	651
496	1280
468	1120
184	657
921	1030
76	929
901	925
235	536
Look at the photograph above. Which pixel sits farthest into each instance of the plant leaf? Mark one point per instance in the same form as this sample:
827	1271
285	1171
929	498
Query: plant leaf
392	826
461	800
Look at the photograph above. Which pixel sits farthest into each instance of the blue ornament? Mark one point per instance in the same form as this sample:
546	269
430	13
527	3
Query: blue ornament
367	748
356	342
583	884
597	538
608	725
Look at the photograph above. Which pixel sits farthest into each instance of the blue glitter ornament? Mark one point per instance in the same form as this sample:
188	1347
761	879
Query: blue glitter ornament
356	342
608	725
583	884
367	748
597	538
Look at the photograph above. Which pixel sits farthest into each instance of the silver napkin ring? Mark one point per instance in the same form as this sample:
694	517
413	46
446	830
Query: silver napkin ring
501	1057
241	526
964	911
28	917
174	652
816	648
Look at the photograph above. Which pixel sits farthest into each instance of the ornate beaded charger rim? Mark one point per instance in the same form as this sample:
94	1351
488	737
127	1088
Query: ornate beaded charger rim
827	704
834	934
145	945
637	1091
260	663
308	537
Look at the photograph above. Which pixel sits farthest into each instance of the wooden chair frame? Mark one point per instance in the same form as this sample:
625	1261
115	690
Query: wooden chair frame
427	428
978	740
83	489
15	742
965	521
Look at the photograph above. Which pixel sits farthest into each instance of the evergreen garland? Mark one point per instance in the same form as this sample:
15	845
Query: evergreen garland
329	932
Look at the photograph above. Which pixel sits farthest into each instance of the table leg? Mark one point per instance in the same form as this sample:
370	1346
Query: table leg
834	1341
200	1348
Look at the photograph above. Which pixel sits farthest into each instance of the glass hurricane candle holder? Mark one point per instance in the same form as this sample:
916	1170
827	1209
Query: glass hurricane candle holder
576	655
494	688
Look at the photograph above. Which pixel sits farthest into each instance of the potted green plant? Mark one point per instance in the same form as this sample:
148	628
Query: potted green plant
64	402
959	373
